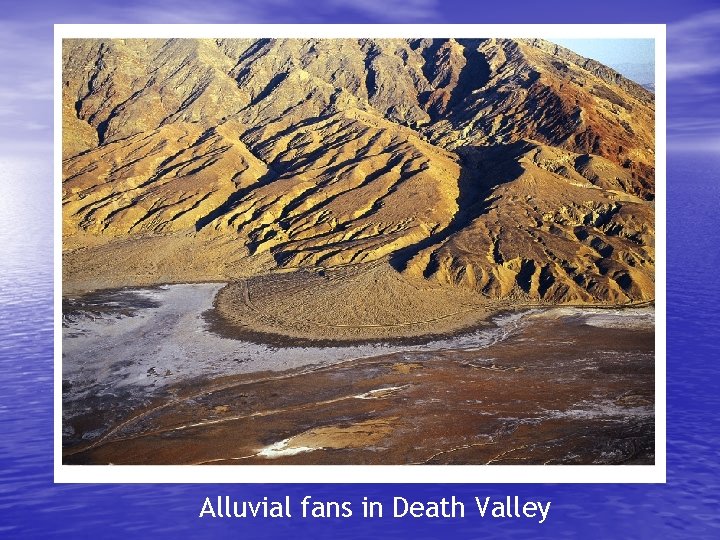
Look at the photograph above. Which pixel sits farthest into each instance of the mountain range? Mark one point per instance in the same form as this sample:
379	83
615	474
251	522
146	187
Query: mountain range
312	170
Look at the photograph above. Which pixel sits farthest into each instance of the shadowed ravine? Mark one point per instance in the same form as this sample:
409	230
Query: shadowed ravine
482	170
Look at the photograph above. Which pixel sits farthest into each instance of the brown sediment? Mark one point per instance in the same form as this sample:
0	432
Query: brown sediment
366	303
556	392
369	302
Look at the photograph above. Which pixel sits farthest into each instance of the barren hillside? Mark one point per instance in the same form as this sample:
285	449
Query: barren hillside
427	176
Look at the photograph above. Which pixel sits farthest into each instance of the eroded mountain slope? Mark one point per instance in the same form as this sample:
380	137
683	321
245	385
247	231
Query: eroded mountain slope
493	169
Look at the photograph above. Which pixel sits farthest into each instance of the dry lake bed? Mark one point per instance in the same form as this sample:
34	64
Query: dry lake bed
146	380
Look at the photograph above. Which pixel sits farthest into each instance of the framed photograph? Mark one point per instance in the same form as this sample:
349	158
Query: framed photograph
360	253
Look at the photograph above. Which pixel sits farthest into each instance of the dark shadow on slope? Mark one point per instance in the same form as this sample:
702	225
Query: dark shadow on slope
524	277
372	51
253	50
270	141
430	67
483	168
392	162
474	75
271	85
234	199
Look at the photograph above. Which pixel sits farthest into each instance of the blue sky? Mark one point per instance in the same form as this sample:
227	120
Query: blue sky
26	45
634	58
613	51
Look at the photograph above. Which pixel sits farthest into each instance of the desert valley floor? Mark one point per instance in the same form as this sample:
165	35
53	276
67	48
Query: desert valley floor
145	380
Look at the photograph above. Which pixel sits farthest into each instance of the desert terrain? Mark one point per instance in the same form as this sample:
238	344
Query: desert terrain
146	380
328	209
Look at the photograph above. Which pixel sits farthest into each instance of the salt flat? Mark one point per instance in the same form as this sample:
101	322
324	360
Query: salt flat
142	368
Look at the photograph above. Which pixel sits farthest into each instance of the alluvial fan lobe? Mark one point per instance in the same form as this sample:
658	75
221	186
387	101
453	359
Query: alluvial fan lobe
504	169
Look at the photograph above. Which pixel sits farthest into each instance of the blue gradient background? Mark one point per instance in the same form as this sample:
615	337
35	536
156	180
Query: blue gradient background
31	506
